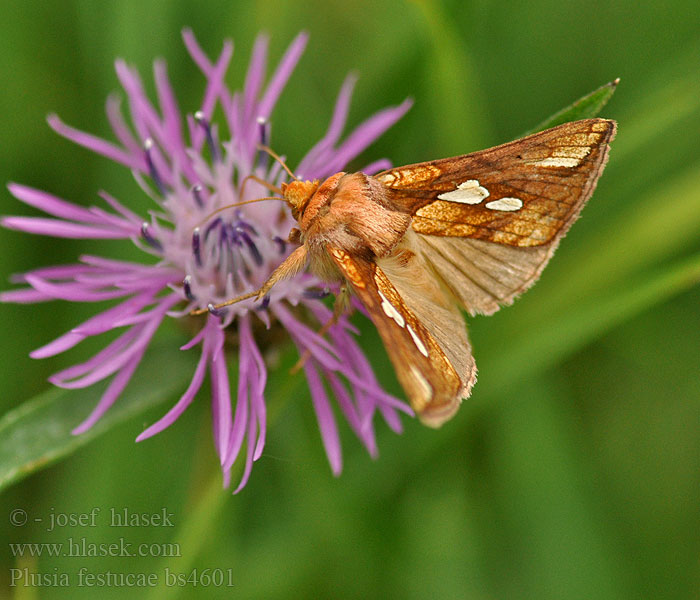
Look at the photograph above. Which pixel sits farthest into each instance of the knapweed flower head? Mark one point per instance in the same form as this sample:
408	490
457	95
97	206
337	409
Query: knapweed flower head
190	169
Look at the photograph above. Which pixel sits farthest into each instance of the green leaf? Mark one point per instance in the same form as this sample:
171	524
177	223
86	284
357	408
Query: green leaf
655	114
562	332
584	108
198	528
38	432
612	254
450	66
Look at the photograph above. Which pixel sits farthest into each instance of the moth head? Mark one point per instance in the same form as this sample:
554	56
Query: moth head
297	195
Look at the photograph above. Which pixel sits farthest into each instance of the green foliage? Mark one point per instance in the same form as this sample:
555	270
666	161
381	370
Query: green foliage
584	108
38	432
572	472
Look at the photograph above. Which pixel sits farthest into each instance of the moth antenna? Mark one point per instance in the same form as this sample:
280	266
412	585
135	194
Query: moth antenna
223	208
262	182
276	156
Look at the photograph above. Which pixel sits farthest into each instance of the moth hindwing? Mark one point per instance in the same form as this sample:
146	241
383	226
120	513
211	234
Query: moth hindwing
416	337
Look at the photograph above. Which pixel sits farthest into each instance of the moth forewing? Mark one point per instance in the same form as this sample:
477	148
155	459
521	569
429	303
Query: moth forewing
525	193
489	222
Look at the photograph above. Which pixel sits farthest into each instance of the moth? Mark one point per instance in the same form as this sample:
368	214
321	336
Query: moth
419	243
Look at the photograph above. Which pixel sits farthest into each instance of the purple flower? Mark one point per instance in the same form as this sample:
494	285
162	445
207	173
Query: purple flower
190	174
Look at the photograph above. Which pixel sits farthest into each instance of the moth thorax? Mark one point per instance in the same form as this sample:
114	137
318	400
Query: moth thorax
298	193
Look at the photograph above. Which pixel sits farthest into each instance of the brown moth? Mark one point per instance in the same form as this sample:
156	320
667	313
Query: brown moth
418	243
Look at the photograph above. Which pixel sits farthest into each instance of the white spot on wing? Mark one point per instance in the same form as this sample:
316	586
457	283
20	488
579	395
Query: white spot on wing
565	156
469	192
423	384
506	204
418	342
557	162
390	311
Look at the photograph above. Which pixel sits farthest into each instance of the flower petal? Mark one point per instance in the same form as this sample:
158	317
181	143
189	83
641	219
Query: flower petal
52	205
326	420
254	78
63	229
72	291
335	128
377	166
185	400
221	396
24	296
364	135
282	74
100	323
119	126
115	388
97	145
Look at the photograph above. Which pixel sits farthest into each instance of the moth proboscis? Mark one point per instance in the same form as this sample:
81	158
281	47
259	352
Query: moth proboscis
418	243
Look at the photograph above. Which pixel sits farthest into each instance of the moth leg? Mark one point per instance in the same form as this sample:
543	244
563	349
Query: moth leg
342	301
292	265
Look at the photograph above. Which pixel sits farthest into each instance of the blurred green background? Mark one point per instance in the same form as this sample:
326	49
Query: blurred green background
574	470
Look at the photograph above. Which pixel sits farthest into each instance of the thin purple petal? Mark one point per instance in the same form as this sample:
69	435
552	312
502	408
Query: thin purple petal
338	120
144	116
215	86
97	145
104	355
72	291
52	205
366	434
24	296
123	266
115	388
196	339
119	126
377	166
185	400
100	323
172	121
60	344
62	229
257	400
249	456
130	216
254	78
284	70
221	396
241	416
392	418
365	134
53	272
326	420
